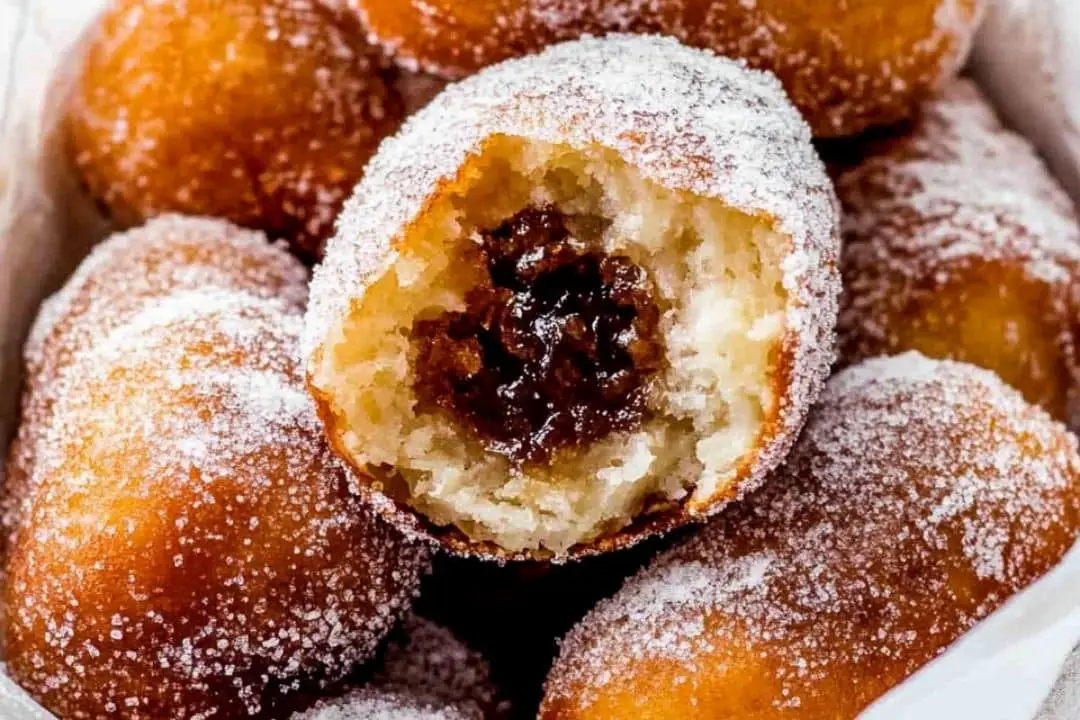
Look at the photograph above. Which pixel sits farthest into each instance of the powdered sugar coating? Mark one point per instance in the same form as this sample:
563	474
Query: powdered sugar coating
123	277
685	119
427	658
985	187
188	546
847	65
377	704
924	210
425	673
920	497
260	111
168	254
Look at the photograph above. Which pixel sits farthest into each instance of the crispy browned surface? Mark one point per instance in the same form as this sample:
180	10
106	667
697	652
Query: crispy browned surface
906	514
264	113
234	580
112	287
958	243
185	544
847	65
989	314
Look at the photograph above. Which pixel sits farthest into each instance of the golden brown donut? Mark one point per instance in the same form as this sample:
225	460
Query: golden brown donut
425	673
921	496
187	546
959	244
263	112
117	281
847	65
593	306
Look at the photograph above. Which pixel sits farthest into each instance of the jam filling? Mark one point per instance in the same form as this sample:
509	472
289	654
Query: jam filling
553	350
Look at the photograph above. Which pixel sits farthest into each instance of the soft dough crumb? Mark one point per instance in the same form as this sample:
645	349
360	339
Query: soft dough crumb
717	275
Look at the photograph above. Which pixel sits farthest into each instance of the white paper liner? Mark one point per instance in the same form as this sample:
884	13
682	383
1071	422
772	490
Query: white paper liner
1027	58
1004	669
1012	667
43	234
1064	699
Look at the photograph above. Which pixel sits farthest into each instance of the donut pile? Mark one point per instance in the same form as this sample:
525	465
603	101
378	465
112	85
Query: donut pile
734	343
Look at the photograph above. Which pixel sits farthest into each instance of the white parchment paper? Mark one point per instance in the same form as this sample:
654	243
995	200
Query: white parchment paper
1027	58
1014	666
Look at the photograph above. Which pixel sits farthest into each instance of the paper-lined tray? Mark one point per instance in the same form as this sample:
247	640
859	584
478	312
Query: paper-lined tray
1028	58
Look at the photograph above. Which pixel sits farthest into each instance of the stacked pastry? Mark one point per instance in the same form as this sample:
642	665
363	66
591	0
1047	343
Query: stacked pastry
425	674
183	543
847	66
587	310
922	495
958	243
265	111
586	296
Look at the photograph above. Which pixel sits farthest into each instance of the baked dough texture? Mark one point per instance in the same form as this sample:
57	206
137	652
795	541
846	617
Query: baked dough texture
689	172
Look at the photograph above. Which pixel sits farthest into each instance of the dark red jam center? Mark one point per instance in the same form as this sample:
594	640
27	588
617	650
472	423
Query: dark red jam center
555	350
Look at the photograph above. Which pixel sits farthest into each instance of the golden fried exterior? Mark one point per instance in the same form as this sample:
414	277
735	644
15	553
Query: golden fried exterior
710	178
922	495
187	546
958	243
424	673
847	65
120	280
260	112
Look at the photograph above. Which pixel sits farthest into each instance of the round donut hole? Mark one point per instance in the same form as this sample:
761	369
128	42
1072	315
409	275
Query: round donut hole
262	112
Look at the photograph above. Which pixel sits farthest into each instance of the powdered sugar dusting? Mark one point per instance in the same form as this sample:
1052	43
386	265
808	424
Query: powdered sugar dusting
920	497
959	191
960	185
169	253
843	80
377	704
427	673
186	543
684	118
120	279
262	111
430	659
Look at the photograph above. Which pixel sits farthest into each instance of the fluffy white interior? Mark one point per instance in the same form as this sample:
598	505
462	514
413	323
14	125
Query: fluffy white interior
717	271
